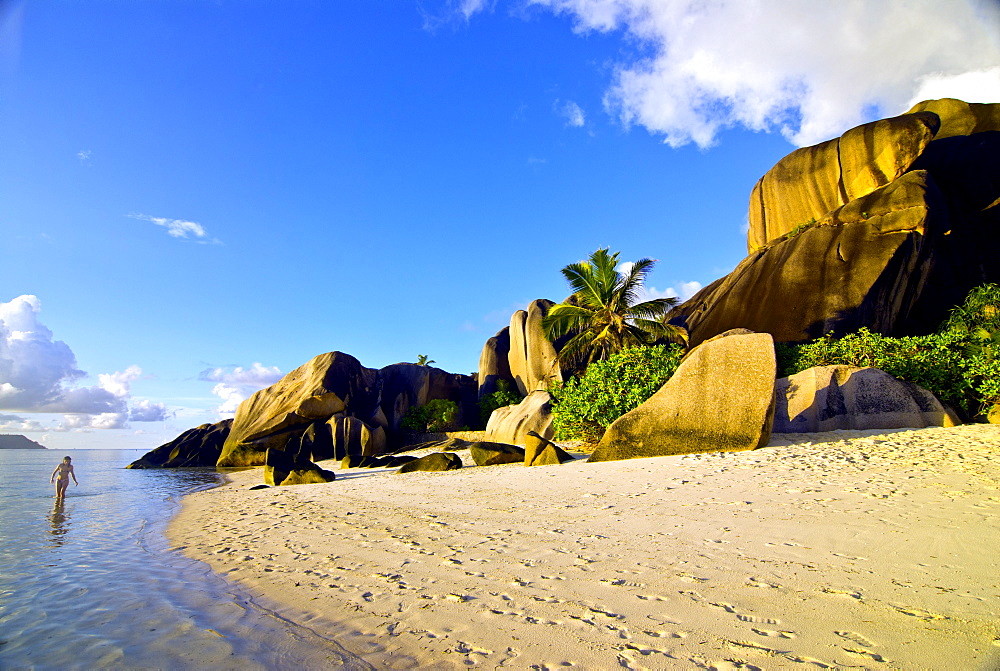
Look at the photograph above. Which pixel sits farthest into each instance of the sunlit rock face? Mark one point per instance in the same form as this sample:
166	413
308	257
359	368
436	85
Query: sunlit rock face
887	227
274	417
197	447
513	423
720	399
521	354
333	406
829	398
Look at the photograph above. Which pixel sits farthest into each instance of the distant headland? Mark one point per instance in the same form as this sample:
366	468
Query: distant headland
18	442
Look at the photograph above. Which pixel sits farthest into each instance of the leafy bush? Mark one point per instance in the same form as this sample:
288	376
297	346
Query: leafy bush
502	397
960	364
584	406
437	415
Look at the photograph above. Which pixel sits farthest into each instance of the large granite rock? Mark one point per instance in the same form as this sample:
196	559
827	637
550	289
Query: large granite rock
197	447
274	417
720	399
895	258
812	181
439	461
407	385
864	264
961	118
494	364
512	423
828	398
352	436
282	468
522	355
490	454
539	451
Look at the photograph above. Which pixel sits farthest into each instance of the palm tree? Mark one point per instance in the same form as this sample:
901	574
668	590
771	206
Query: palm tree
603	315
423	360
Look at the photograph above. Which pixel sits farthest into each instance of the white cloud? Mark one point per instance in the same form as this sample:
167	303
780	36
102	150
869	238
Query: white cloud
236	383
572	113
256	375
809	70
982	86
38	374
470	7
231	398
147	411
83	155
119	382
179	228
104	420
15	424
684	291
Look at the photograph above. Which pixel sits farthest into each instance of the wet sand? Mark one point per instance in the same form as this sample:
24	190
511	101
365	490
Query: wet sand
844	549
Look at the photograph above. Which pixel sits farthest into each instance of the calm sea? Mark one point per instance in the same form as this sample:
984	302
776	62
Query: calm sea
91	583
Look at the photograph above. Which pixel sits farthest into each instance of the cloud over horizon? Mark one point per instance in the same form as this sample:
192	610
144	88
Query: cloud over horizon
38	374
809	70
235	383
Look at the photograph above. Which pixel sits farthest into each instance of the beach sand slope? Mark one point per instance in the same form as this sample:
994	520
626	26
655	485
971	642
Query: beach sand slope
845	549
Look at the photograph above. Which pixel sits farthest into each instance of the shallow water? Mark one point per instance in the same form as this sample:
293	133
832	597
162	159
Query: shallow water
91	582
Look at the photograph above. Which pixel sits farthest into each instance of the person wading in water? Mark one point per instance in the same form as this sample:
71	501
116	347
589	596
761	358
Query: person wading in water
64	470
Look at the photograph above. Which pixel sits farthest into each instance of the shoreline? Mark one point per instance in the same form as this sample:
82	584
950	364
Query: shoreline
874	549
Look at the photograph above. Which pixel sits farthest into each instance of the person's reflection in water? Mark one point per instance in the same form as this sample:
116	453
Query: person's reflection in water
59	521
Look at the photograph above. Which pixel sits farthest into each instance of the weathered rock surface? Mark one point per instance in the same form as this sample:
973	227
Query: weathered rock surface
282	468
720	399
494	364
407	385
363	408
439	461
197	447
273	417
490	454
512	423
812	181
539	451
961	118
352	436
894	258
828	398
865	264
531	361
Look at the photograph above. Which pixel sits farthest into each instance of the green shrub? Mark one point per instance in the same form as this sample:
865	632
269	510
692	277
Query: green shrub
438	415
502	397
584	407
960	364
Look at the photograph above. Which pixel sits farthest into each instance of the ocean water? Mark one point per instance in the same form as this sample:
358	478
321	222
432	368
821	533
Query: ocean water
91	583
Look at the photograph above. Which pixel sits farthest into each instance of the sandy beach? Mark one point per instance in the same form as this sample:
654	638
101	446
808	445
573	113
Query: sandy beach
847	549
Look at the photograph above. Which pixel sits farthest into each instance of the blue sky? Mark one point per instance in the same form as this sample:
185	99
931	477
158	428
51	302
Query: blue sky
197	197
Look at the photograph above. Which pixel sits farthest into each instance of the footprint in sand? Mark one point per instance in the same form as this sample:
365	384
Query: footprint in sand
756	582
666	634
925	615
844	592
772	634
864	654
855	637
726	665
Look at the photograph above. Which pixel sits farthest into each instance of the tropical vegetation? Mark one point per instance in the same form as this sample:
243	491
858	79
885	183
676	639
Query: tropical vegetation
500	398
960	363
604	315
585	406
438	415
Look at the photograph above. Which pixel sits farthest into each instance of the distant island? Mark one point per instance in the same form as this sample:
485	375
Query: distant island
17	442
